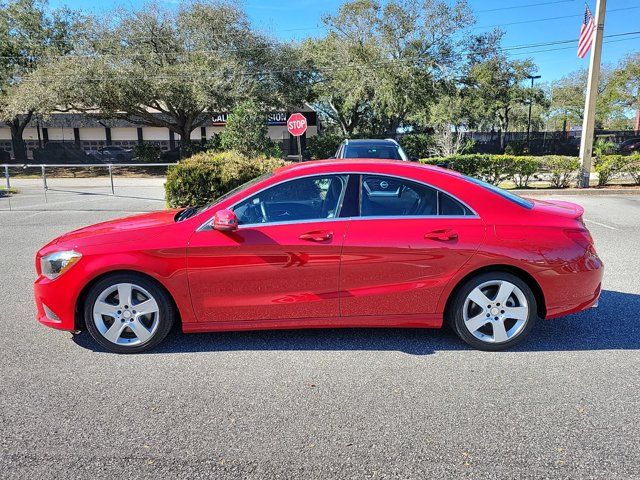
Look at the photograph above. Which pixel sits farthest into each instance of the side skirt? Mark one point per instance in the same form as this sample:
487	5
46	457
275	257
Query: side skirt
430	320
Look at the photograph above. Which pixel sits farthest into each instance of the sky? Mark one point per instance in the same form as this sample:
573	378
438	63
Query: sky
559	20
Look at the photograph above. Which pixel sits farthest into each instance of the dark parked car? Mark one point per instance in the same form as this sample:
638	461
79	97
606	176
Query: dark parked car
57	153
113	154
389	149
630	146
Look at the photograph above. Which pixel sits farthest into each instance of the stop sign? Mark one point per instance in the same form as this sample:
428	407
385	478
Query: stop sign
297	124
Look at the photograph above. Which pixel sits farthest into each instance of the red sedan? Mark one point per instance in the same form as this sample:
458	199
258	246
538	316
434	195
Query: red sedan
343	243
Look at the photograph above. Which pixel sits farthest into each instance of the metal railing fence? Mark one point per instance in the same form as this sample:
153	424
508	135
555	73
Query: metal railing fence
43	169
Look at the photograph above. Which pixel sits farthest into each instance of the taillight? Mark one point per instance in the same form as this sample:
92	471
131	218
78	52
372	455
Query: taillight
581	236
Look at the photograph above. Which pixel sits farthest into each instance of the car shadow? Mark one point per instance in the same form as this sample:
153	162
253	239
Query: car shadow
613	325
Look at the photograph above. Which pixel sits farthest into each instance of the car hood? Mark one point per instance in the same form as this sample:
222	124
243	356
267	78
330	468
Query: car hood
120	229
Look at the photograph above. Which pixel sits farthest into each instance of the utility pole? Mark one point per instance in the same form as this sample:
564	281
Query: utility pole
589	120
532	77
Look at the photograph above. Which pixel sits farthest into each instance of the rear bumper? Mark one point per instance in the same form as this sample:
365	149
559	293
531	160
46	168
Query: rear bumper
587	302
572	287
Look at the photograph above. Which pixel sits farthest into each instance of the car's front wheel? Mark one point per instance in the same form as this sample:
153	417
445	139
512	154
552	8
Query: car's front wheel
128	313
493	311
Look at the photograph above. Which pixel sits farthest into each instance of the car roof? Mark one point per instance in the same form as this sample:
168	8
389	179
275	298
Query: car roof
359	164
370	141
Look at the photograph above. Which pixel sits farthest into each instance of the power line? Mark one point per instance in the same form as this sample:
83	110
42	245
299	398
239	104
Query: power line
572	46
536	20
559	42
514	7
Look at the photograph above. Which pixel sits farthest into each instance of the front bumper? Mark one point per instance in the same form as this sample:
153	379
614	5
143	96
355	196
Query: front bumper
55	303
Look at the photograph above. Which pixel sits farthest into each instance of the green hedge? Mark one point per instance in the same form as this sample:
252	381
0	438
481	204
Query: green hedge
492	168
562	170
206	176
611	166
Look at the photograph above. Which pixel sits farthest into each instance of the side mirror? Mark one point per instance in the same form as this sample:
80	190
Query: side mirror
225	221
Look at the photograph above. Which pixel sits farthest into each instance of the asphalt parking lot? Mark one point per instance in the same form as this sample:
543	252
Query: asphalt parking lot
316	404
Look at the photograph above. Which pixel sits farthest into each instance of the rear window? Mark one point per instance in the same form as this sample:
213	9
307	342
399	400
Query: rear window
373	151
499	191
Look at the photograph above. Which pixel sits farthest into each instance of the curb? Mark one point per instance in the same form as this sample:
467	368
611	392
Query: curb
576	192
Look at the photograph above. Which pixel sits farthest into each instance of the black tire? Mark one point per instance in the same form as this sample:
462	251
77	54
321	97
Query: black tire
165	317
455	313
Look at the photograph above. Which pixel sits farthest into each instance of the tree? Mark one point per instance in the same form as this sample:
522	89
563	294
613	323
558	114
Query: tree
171	69
495	87
615	97
29	37
623	89
378	67
246	131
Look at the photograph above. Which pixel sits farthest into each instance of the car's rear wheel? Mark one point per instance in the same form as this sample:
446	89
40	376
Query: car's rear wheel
128	313
493	311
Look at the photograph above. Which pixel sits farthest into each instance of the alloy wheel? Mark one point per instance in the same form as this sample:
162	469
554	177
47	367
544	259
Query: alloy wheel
126	314
495	311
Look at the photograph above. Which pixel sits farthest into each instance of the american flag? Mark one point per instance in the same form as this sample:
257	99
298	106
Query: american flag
587	29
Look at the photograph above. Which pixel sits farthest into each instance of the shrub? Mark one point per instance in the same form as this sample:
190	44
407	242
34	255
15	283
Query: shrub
246	132
492	168
204	177
417	145
147	153
324	145
603	147
608	166
496	169
465	164
524	168
632	167
516	147
563	169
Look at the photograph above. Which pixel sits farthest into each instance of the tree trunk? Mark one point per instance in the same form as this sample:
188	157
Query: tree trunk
17	126
185	140
504	128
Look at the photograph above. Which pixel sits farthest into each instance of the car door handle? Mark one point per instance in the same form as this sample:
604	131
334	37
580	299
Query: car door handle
444	235
319	236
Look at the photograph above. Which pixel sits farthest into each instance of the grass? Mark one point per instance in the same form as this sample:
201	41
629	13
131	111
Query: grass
4	192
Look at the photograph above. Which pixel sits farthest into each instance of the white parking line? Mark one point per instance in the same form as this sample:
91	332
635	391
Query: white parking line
600	224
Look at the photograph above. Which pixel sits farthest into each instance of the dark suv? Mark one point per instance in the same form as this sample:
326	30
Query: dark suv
388	148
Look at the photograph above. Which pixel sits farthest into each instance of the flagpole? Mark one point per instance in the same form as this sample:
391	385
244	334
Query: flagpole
589	120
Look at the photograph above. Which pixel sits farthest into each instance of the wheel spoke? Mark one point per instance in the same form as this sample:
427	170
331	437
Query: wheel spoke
146	307
114	332
140	331
499	332
516	313
479	298
476	322
504	292
103	308
124	294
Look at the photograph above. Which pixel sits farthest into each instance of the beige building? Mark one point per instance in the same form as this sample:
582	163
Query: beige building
91	133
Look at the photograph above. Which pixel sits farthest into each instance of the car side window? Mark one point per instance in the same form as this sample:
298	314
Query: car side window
383	196
451	207
307	198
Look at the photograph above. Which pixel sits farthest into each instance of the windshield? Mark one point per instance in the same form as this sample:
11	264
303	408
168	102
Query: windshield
382	150
503	193
233	192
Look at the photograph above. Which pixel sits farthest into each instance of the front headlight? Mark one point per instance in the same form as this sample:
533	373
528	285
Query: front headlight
56	263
